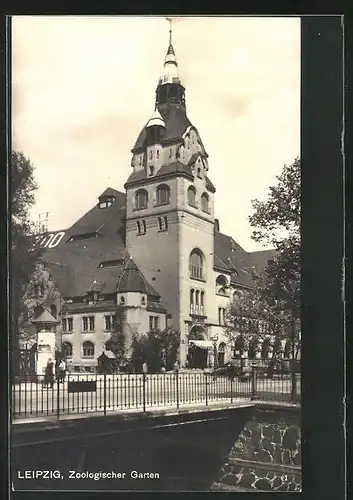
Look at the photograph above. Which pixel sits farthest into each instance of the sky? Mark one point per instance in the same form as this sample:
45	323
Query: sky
83	88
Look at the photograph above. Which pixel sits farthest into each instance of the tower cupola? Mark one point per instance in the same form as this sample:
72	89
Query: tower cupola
170	88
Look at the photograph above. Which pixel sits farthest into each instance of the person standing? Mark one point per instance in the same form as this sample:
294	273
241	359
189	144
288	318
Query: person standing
61	370
49	373
144	368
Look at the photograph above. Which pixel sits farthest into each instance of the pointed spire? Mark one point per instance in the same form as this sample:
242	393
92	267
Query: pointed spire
170	32
170	88
170	72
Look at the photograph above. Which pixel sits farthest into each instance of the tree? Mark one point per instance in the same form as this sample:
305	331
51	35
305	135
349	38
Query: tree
24	249
277	222
250	319
157	348
116	344
273	304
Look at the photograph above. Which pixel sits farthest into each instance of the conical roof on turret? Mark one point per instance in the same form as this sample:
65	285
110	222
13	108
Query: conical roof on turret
45	317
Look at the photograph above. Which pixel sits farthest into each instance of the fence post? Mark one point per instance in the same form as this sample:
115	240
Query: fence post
177	387
253	382
104	393
58	398
206	389
231	389
144	380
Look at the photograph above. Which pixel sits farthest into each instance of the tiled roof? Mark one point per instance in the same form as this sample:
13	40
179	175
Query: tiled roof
155	306
176	122
177	167
132	280
171	168
45	317
260	258
229	255
111	192
84	306
74	265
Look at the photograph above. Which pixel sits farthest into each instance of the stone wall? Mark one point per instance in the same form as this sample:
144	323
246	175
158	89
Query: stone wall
266	455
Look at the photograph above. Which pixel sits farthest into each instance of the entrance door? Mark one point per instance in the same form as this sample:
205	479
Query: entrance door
220	358
221	351
197	357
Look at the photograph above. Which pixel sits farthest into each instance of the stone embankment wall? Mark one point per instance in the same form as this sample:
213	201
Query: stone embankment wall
266	455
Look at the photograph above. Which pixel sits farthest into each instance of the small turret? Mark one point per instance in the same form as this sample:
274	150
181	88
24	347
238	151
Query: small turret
155	131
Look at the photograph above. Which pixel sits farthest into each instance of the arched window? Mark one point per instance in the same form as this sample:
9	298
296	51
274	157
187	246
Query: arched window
192	196
67	349
196	265
122	301
54	311
197	301
202	301
141	199
88	349
163	195
205	203
192	296
221	285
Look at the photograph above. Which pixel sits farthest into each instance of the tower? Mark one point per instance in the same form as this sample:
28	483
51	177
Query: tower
170	207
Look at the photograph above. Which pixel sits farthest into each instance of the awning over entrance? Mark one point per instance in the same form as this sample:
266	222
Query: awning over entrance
203	344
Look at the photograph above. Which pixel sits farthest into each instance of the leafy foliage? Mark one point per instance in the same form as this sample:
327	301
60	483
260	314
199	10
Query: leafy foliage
277	222
116	344
25	252
157	348
272	306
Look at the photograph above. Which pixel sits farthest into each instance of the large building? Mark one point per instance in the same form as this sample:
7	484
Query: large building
153	256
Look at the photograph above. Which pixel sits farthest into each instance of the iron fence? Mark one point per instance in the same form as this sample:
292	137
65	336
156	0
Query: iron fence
85	393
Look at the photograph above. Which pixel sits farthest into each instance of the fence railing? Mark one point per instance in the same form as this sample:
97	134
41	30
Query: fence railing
85	393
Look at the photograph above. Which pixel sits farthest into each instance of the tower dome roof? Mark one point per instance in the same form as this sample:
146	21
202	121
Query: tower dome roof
156	120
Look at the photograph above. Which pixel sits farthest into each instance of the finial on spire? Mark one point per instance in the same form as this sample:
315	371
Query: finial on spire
170	29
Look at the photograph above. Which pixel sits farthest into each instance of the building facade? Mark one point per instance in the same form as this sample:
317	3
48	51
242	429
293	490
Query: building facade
154	256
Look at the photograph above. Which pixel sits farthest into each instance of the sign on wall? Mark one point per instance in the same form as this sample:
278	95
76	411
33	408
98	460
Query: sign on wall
51	240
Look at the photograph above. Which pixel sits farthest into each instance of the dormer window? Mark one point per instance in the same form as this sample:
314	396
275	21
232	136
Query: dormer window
157	153
106	202
92	297
151	154
122	301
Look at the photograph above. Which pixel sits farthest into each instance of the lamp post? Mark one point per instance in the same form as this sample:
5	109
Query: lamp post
215	356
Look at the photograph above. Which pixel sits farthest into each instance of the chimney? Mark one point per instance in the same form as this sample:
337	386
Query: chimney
216	225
